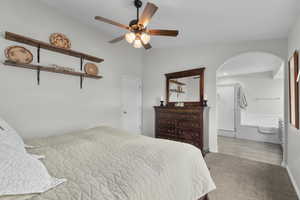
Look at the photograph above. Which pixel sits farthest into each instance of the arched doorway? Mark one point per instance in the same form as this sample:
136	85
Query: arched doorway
250	107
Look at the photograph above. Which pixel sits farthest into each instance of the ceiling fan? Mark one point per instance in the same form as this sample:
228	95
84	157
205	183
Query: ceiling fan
138	34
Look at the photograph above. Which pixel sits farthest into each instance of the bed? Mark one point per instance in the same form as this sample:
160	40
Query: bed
109	164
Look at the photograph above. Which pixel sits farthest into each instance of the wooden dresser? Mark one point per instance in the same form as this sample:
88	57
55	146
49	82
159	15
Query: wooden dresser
183	124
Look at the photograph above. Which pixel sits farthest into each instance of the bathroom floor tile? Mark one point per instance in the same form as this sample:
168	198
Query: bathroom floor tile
257	151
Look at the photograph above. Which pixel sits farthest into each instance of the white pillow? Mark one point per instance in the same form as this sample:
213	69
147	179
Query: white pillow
9	136
5	126
21	173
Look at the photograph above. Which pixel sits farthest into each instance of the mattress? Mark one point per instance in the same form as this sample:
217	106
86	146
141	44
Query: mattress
109	164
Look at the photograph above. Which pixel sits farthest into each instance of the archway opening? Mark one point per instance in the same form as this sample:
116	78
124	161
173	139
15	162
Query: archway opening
250	107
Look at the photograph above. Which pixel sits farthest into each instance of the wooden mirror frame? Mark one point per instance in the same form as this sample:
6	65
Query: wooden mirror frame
293	75
183	74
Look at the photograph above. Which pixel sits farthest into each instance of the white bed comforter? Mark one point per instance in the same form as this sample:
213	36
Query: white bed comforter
108	164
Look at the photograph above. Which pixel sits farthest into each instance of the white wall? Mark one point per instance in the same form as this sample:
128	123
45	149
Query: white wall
293	134
58	105
257	86
161	61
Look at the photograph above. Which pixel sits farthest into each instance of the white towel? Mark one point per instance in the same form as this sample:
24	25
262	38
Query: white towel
242	99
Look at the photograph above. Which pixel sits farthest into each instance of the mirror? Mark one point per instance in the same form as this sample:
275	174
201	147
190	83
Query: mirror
184	89
185	86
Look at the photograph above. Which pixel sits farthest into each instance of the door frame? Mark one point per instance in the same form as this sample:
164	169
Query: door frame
140	94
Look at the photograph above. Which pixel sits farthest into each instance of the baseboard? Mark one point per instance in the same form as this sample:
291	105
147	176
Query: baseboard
283	164
226	133
293	181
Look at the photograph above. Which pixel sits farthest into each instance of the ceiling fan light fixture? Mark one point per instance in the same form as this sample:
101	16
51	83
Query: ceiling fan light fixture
130	37
138	33
145	37
137	43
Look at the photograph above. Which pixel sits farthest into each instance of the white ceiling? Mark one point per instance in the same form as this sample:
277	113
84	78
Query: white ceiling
249	63
199	21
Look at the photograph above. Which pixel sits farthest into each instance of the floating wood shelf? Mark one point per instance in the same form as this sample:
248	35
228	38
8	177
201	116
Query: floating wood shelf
44	45
49	69
176	91
177	82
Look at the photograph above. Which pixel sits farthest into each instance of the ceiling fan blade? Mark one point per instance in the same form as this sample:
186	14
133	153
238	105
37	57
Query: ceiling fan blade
146	46
102	19
170	33
147	14
118	39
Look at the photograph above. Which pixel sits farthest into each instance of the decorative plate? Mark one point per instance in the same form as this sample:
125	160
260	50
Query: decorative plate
60	40
18	54
91	69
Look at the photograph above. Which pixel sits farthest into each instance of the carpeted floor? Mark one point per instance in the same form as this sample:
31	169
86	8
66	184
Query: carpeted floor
242	179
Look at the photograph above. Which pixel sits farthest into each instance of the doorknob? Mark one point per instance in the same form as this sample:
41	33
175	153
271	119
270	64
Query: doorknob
124	112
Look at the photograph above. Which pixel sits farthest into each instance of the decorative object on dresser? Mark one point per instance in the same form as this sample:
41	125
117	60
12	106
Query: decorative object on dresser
91	69
161	101
43	45
179	104
204	101
60	40
182	123
18	54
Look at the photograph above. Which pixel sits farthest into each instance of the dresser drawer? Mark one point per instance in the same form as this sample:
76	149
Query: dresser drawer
167	137
196	124
189	133
163	122
171	131
197	144
180	124
180	116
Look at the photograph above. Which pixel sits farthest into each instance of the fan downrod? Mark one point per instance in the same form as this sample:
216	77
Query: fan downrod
138	4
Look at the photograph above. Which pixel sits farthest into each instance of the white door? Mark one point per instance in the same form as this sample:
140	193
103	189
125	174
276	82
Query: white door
131	104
